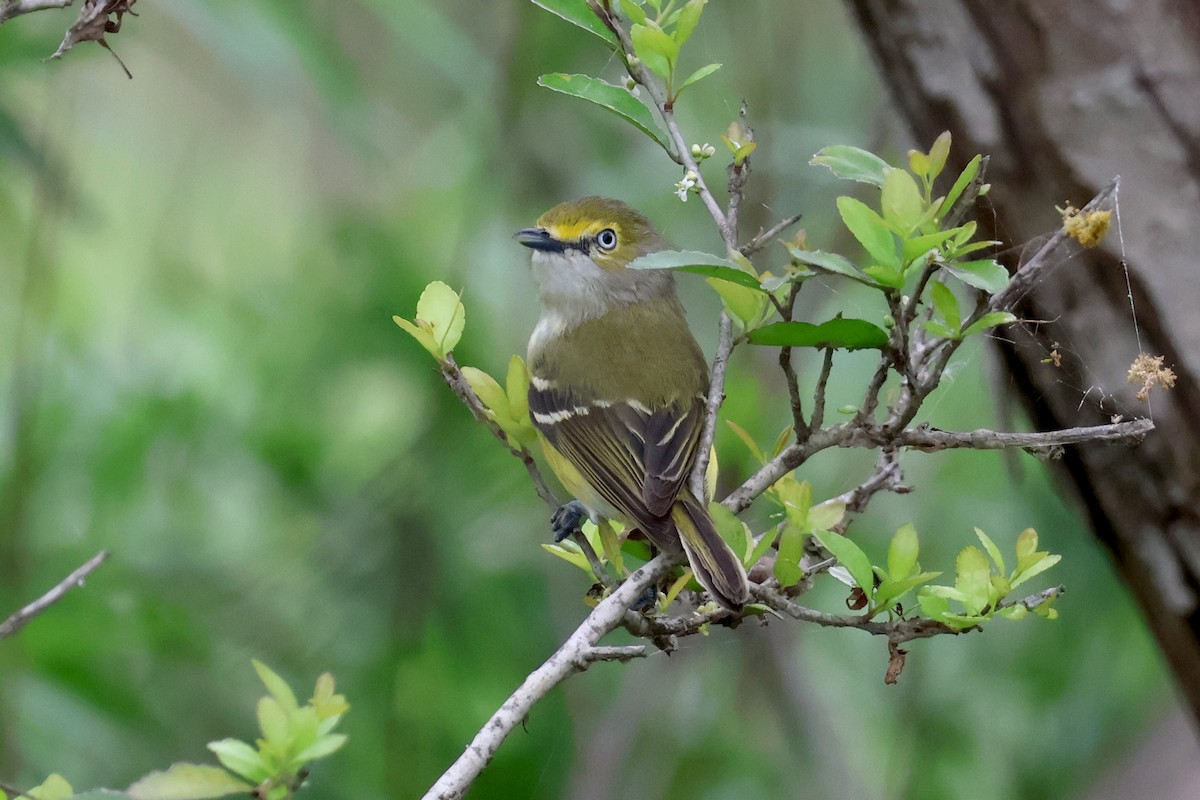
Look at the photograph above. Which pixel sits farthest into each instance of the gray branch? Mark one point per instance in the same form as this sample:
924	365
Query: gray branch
15	8
576	654
22	617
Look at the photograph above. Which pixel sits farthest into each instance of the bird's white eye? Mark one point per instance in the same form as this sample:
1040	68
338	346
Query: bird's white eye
607	239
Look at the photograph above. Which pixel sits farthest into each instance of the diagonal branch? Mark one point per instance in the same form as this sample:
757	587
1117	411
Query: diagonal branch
15	8
576	654
22	617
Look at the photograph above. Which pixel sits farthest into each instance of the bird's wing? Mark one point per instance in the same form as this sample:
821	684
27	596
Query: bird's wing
635	457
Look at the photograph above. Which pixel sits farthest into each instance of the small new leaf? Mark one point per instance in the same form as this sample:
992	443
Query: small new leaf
440	319
787	560
947	305
972	579
902	552
870	230
851	557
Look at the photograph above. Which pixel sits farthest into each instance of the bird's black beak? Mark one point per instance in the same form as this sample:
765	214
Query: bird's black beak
539	239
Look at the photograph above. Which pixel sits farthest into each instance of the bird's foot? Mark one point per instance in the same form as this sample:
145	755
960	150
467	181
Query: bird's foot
568	520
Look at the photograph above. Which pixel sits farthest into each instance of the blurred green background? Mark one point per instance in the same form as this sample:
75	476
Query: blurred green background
198	371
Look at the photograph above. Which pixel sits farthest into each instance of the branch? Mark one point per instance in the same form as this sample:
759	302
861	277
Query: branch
15	8
764	237
932	439
716	396
458	384
576	654
1057	249
22	617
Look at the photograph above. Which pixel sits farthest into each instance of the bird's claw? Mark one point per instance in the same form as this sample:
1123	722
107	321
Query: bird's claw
567	520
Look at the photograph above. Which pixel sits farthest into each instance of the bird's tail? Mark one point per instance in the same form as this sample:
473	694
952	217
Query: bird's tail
715	565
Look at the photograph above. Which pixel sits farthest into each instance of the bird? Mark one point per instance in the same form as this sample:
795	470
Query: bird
618	386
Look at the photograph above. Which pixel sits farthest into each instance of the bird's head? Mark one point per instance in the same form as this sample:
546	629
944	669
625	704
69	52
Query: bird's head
581	251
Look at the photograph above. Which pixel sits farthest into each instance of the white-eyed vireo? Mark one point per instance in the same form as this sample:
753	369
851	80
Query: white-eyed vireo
618	384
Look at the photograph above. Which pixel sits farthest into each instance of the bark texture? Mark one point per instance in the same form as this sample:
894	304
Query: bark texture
1065	95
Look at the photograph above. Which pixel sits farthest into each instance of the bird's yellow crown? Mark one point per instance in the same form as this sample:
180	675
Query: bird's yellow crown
610	231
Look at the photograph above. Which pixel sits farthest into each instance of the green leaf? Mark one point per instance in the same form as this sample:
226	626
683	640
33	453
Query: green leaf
886	276
633	12
933	605
851	163
992	551
939	329
901	200
782	440
947	305
824	516
830	262
578	13
921	244
698	263
698	75
796	498
276	685
918	162
965	177
748	307
655	48
55	787
489	390
787	560
849	334
972	579
989	320
689	17
239	757
273	722
569	551
1036	568
760	548
984	274
902	552
938	154
890	591
735	532
325	746
188	782
616	99
611	544
851	557
748	440
870	230
439	322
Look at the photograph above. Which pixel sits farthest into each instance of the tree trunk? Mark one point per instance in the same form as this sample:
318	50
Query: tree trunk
1065	96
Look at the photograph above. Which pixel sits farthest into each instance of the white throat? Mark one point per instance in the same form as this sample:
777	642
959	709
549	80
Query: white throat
573	289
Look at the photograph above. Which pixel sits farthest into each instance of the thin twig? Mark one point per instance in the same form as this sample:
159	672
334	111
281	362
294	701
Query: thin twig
716	396
763	238
1048	256
22	617
15	8
819	392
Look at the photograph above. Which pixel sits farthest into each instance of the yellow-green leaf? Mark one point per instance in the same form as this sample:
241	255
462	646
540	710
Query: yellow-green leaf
902	552
973	578
188	782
